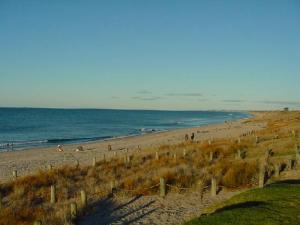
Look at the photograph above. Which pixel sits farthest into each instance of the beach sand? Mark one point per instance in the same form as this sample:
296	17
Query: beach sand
29	161
175	208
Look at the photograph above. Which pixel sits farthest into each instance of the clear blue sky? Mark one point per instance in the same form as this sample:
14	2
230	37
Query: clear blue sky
150	54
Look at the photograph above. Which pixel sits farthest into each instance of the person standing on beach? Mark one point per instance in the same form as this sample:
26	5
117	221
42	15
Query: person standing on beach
186	137
192	136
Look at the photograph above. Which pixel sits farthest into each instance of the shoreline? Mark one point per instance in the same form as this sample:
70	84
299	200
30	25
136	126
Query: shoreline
111	138
31	160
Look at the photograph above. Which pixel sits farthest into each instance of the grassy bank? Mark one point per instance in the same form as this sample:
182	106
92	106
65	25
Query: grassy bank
277	204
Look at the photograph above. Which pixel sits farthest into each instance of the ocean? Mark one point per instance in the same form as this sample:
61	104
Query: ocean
24	128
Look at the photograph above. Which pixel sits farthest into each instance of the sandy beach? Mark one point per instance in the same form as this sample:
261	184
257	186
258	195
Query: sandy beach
32	160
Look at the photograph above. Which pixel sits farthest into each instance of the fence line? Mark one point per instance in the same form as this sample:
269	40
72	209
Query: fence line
289	164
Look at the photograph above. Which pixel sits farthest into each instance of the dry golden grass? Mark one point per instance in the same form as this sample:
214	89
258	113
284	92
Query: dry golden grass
28	198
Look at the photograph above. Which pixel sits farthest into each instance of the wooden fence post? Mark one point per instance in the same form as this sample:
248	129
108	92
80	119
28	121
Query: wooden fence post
162	187
261	176
289	164
73	207
0	200
125	159
15	174
297	154
200	188
52	194
211	156
83	198
277	169
256	139
37	222
156	156
213	186
94	161
49	167
238	154
76	163
112	185
268	154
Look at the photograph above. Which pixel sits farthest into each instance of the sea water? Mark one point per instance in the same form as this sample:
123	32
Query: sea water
23	128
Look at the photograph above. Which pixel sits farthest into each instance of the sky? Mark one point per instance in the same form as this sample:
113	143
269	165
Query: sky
158	54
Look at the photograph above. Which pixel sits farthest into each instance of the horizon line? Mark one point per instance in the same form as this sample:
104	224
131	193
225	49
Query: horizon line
139	109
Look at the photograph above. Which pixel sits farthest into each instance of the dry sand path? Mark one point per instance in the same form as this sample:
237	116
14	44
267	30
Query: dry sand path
29	161
151	210
174	209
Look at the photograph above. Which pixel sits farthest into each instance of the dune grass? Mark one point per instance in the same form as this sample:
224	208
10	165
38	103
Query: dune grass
276	204
28	198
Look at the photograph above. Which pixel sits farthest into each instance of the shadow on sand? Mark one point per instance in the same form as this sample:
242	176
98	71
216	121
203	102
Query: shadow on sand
107	211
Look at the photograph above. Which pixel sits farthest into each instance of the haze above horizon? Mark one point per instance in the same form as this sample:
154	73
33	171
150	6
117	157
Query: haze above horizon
174	55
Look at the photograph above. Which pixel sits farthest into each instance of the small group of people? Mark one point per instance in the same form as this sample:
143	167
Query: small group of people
8	146
192	137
